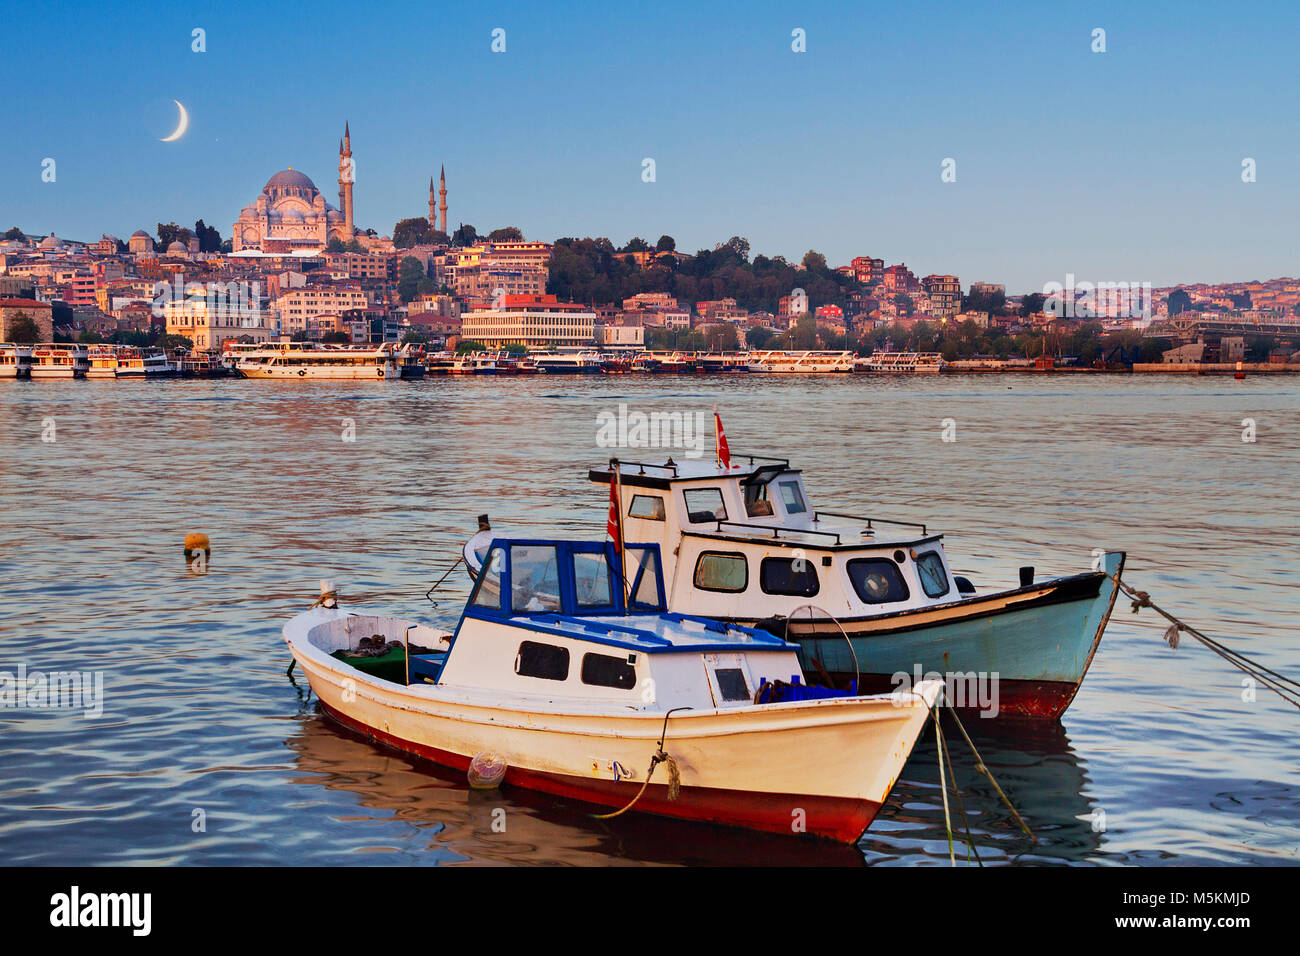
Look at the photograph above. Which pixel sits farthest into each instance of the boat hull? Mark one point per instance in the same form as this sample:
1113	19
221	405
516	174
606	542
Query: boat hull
1018	654
820	767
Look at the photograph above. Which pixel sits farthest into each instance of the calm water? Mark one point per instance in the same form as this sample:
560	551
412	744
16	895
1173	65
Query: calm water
200	719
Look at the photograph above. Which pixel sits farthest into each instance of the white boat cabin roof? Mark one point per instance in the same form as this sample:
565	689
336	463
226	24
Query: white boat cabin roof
759	498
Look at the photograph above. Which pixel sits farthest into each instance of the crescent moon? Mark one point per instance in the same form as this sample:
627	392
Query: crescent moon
181	127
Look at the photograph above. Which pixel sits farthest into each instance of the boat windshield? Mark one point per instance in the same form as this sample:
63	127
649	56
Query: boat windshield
534	578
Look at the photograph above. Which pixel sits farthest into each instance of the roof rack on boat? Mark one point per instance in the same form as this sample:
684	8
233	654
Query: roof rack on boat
840	514
777	529
753	458
670	465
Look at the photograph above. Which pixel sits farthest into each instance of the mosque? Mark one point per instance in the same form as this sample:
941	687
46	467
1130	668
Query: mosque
291	216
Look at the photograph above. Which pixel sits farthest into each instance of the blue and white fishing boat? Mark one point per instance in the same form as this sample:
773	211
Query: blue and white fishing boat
566	667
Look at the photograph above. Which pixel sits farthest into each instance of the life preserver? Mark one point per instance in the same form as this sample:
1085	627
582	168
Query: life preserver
302	371
379	372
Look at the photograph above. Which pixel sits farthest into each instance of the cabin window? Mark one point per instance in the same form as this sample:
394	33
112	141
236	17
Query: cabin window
601	670
794	576
534	579
757	504
646	506
934	579
488	591
793	498
877	580
721	571
645	579
546	661
732	684
705	504
591	580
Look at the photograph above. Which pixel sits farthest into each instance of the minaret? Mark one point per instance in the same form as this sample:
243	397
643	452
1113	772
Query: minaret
433	218
442	197
346	176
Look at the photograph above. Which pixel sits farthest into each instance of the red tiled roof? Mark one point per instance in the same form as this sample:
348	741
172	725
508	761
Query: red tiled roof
23	304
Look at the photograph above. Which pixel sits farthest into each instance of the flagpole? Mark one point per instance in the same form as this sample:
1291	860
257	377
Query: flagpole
620	543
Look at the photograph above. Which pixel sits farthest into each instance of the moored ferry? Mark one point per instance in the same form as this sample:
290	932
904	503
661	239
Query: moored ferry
125	361
59	361
583	362
900	363
800	363
311	360
15	360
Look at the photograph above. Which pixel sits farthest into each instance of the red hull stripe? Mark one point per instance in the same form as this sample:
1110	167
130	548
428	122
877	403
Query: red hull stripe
1016	700
836	818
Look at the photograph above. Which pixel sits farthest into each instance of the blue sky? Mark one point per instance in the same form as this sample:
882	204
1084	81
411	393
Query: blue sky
1123	165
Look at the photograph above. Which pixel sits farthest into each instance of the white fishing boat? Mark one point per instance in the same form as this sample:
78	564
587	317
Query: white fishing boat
593	692
59	361
800	363
15	360
900	363
868	599
125	361
311	360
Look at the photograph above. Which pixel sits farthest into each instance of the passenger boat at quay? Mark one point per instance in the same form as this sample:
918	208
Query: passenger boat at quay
566	674
125	361
59	361
800	363
15	360
582	362
303	360
900	363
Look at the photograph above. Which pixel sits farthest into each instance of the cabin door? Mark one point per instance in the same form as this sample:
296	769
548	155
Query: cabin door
729	680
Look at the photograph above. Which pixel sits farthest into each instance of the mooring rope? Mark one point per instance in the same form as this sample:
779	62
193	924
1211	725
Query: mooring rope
1251	668
961	806
943	785
980	766
661	756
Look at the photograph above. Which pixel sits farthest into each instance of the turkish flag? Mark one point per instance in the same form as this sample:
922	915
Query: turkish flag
724	452
614	526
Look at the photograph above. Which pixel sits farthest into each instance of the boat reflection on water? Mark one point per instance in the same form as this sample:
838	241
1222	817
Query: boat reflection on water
1037	768
424	813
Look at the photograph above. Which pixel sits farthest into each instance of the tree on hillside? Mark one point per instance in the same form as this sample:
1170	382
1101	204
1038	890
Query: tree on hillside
15	233
1031	303
169	232
23	330
338	245
465	235
410	271
412	232
635	244
815	262
209	237
506	234
666	244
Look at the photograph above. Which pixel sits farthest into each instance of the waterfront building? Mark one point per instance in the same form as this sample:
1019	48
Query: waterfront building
534	321
296	308
209	324
867	270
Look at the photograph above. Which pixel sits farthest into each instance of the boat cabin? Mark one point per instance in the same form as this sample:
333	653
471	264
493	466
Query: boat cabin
570	619
746	544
